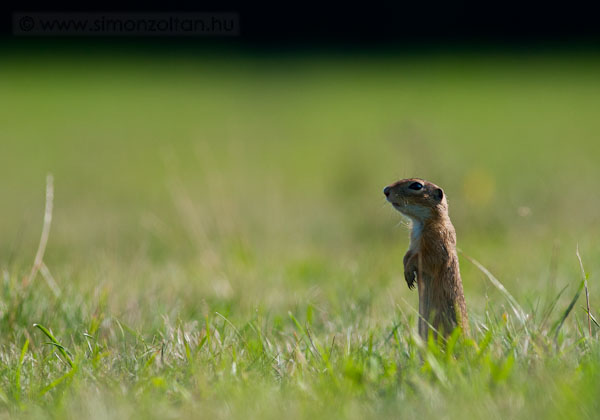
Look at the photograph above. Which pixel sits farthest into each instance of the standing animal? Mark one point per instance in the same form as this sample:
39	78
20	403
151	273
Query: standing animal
431	261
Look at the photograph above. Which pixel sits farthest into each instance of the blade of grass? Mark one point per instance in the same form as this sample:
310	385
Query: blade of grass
559	323
39	255
306	335
18	373
551	307
57	382
593	318
587	294
237	332
519	312
60	347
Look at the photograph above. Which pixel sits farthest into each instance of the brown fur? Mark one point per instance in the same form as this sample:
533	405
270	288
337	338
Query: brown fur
431	260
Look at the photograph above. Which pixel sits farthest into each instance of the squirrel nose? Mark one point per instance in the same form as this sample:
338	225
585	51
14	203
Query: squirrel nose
386	191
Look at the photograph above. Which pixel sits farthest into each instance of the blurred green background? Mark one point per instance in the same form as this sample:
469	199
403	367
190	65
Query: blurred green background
263	160
250	184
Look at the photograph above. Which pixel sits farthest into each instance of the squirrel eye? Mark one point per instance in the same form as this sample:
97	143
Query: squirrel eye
415	186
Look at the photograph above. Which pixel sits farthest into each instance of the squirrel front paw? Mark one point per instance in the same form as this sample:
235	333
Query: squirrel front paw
410	270
411	278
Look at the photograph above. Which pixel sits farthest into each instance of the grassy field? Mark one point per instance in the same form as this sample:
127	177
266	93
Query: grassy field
222	248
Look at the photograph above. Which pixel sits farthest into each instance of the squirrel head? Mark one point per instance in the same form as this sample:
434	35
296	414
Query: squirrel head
417	199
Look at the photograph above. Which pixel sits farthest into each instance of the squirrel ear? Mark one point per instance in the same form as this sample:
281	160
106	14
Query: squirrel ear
439	194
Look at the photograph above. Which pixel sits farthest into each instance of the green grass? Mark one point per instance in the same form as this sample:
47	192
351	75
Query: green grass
223	248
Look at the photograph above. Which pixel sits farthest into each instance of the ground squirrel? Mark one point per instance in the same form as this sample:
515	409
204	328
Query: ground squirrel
431	260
